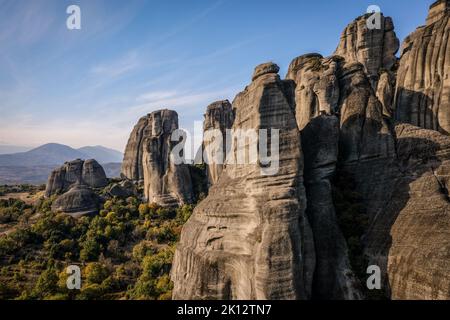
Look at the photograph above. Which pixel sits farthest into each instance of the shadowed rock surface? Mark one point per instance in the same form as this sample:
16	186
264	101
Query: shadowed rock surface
373	155
333	276
423	82
409	237
87	172
250	238
218	118
79	201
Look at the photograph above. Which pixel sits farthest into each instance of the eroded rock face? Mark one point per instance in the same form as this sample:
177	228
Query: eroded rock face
374	48
88	172
147	160
333	278
409	238
333	86
423	81
317	90
79	201
218	118
250	238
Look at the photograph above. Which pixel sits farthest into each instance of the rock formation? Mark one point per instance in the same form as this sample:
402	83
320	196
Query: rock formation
279	237
409	236
423	81
333	276
250	238
374	48
148	160
218	118
87	172
317	90
79	201
122	189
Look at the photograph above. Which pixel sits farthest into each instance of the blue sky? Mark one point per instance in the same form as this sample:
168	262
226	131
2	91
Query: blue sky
90	86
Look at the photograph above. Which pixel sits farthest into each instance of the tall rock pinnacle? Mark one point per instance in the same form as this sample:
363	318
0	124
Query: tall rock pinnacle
250	238
147	160
423	80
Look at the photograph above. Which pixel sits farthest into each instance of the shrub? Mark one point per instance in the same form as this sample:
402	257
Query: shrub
95	273
47	284
90	250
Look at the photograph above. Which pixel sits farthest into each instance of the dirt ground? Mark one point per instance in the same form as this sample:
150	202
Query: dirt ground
24	196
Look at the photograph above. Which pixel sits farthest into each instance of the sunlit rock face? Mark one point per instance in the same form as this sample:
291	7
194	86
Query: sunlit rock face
279	237
374	48
88	172
148	160
423	82
317	87
250	238
219	117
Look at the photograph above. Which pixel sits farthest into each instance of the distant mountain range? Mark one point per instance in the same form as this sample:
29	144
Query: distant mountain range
7	149
35	165
55	154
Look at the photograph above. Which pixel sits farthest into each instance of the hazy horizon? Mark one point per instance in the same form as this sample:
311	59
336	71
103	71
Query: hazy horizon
90	86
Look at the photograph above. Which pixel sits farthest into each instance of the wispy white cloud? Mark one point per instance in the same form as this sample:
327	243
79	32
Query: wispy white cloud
116	68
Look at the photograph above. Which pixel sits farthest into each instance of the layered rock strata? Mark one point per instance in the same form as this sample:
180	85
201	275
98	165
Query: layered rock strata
250	238
423	82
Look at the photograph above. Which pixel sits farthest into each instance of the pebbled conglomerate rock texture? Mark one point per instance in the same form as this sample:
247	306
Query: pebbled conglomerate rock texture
250	238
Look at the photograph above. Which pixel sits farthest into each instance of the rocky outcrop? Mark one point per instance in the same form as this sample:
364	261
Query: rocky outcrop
374	48
409	236
87	172
148	160
317	89
333	86
79	201
333	276
282	236
423	81
219	118
250	238
122	189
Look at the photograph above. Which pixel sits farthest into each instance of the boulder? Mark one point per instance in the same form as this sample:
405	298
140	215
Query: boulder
79	201
123	189
87	172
